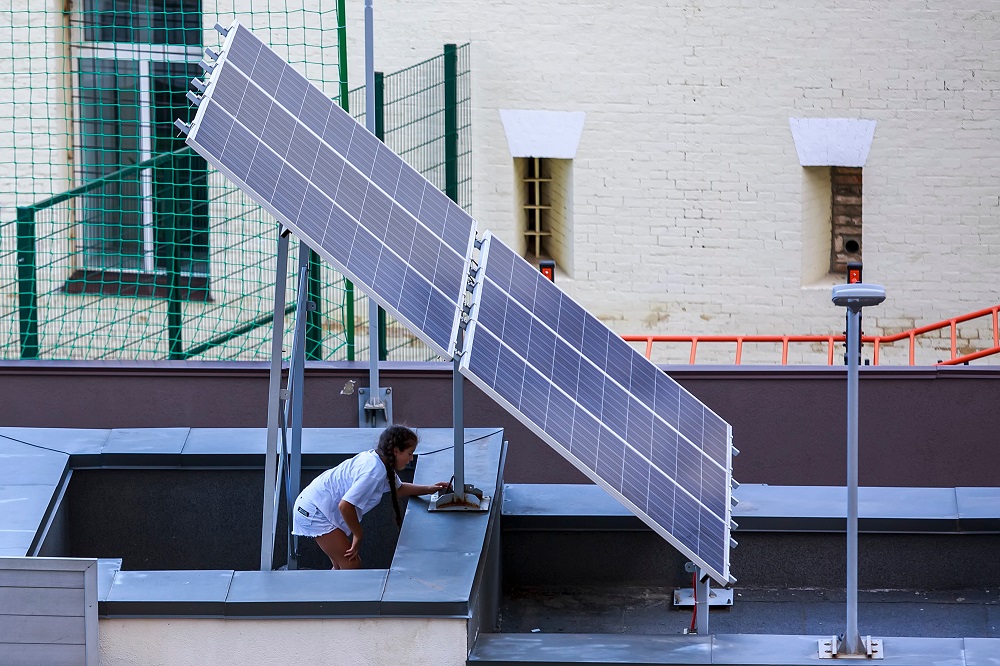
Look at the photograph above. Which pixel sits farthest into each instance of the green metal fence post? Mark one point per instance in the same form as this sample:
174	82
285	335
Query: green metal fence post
175	322
383	347
27	293
451	121
314	317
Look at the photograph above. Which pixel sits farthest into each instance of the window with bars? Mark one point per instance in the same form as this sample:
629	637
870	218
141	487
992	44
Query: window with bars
544	195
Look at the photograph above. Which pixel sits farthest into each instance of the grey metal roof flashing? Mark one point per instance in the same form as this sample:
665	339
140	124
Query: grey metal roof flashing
764	508
438	560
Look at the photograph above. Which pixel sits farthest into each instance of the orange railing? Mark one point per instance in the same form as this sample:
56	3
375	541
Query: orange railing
832	340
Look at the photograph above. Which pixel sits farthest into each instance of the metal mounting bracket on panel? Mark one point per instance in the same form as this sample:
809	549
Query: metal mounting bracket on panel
829	648
473	500
684	597
374	412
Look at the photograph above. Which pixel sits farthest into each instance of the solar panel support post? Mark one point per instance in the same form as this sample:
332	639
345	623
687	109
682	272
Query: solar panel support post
702	594
854	297
274	404
464	497
374	404
458	425
296	384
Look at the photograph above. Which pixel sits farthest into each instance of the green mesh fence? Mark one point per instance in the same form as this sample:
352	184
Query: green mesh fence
118	242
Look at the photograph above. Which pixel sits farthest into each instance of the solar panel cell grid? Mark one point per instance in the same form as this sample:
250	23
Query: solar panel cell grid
254	108
385	174
216	127
267	71
339	130
289	193
302	151
362	152
600	401
292	89
264	171
243	50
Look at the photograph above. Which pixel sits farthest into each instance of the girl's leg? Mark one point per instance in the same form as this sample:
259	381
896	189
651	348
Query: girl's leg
335	544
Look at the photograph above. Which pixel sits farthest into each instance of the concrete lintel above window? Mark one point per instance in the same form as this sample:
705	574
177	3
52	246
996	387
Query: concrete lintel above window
552	134
838	142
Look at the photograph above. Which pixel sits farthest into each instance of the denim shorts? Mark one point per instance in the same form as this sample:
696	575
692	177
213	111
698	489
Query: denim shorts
307	520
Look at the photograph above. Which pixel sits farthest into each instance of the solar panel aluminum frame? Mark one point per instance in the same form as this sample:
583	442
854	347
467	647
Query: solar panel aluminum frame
192	139
722	577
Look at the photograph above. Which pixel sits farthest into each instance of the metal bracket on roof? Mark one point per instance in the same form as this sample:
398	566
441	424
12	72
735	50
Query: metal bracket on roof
472	500
374	411
182	126
831	648
222	31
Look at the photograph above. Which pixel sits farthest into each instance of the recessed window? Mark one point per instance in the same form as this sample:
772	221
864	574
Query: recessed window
543	145
832	152
845	211
543	207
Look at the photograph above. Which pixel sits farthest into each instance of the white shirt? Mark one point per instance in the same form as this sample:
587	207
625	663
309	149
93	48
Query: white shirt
361	481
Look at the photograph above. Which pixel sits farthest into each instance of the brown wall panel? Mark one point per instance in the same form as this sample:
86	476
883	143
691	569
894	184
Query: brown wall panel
918	426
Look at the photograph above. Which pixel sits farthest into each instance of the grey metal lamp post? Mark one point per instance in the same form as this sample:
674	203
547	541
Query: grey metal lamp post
853	297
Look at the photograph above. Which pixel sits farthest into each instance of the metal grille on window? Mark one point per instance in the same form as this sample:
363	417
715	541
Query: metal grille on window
537	205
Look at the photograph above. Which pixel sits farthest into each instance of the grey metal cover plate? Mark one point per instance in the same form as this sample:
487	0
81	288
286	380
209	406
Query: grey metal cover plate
358	204
602	405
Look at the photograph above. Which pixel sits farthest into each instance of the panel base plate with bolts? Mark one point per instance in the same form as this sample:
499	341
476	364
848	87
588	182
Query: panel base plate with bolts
828	649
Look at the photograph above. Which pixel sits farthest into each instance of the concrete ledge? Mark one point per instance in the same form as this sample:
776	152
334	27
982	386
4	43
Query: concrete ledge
733	649
435	571
764	508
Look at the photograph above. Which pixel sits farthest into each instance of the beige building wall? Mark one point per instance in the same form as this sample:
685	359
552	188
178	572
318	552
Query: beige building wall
353	641
691	213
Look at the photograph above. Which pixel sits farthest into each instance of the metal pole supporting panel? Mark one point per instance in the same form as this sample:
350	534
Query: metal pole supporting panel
853	296
296	382
852	640
458	427
274	404
373	382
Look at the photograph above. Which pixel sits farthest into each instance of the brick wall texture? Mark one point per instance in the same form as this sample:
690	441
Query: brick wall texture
687	194
690	211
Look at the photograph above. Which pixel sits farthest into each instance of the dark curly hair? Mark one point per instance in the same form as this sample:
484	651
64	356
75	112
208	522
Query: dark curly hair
394	438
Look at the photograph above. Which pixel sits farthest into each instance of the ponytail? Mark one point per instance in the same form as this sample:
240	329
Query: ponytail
393	438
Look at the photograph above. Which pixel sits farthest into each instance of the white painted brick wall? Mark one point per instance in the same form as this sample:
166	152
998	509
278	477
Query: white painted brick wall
688	199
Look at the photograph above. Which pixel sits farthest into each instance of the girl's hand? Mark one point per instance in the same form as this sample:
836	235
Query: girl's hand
442	486
353	552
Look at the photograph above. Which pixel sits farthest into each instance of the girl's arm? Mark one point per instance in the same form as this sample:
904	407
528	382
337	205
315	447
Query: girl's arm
350	514
411	489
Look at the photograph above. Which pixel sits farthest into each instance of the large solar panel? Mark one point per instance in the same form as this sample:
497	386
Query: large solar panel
557	368
602	405
337	187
